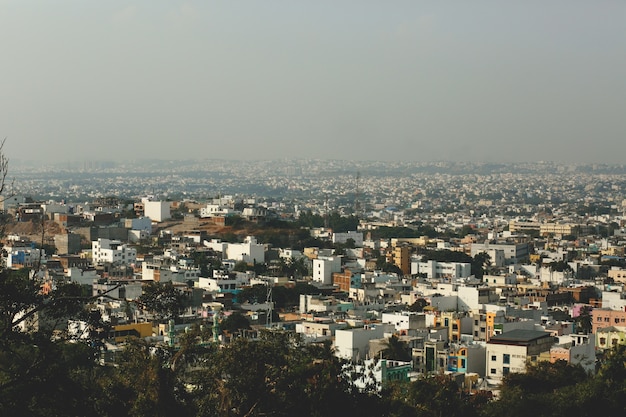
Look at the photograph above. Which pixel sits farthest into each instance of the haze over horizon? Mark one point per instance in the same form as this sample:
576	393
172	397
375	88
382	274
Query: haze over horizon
353	80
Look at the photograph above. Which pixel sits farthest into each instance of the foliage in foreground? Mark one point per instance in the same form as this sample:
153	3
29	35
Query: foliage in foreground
45	373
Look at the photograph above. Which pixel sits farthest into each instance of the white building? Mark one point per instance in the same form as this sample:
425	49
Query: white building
223	283
249	251
405	321
112	251
513	252
157	211
215	210
324	267
434	269
353	344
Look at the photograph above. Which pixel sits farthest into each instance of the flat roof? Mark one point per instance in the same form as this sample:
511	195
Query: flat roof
519	335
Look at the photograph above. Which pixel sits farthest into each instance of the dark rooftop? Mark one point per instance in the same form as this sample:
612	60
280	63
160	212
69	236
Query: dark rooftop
519	335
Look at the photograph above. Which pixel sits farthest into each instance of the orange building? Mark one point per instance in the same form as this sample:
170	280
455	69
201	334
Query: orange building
602	318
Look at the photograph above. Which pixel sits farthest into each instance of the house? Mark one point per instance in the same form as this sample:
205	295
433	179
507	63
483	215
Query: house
608	337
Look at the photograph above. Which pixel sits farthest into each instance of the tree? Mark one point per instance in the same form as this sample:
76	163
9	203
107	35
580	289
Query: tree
480	263
163	300
584	320
544	389
235	322
396	350
240	266
418	305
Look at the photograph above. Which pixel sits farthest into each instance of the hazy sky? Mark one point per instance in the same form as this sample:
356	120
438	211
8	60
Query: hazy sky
365	80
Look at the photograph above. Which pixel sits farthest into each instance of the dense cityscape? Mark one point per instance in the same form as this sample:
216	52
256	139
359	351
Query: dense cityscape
313	287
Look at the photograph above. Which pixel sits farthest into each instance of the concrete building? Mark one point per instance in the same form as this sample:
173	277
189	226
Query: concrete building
405	321
473	298
342	238
512	351
67	243
140	223
434	269
577	349
324	267
431	357
513	252
611	336
249	251
467	359
353	344
602	317
401	259
112	251
157	211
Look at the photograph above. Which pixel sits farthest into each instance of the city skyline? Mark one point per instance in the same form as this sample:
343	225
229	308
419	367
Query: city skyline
411	81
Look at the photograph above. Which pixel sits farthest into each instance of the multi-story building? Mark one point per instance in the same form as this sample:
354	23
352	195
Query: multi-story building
453	322
324	267
67	243
112	251
434	269
157	211
405	321
431	357
357	237
250	251
611	336
602	317
513	252
353	344
485	323
513	350
467	359
401	259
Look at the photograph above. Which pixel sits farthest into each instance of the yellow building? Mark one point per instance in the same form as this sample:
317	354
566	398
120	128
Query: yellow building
609	337
401	259
124	331
451	320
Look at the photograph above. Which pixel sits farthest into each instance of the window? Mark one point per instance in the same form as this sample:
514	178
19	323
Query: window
505	370
613	342
493	357
506	358
492	371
